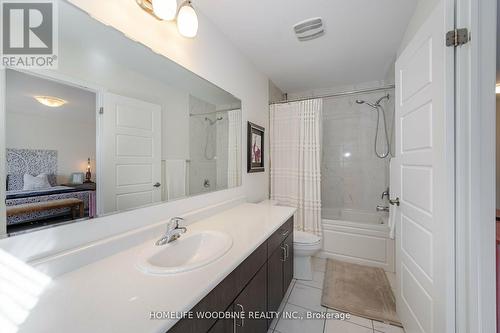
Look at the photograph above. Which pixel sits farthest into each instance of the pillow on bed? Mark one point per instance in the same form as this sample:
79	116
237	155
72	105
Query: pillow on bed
36	183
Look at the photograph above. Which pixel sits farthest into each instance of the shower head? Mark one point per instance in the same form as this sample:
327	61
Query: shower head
213	121
377	103
360	101
382	98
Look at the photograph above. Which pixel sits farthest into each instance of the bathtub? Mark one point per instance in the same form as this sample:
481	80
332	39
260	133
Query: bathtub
357	237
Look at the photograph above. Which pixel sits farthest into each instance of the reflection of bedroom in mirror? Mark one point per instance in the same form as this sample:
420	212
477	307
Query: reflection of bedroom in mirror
105	133
50	167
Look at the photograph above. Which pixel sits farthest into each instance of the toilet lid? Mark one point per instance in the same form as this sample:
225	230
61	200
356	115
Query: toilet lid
302	237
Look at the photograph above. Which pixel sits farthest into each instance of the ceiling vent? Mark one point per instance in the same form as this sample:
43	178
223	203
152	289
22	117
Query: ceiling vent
309	29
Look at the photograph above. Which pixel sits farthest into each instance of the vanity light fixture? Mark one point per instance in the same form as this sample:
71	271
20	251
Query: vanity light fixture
187	20
51	101
166	10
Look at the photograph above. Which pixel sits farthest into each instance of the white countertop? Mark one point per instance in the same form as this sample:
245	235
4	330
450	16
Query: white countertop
112	295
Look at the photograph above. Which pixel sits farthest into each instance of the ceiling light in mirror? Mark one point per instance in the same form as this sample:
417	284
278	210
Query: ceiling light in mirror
165	9
53	102
187	20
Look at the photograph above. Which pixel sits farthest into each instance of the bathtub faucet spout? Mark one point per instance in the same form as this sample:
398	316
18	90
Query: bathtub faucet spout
382	208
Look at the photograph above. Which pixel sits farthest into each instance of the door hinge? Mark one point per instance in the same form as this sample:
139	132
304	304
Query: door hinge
457	37
101	110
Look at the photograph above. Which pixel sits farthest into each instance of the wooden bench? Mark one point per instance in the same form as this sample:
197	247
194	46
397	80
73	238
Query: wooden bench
76	205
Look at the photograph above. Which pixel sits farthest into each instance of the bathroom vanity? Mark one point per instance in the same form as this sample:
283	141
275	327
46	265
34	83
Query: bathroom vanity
111	292
257	285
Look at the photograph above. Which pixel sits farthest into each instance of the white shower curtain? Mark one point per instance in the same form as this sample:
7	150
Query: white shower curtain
234	152
296	160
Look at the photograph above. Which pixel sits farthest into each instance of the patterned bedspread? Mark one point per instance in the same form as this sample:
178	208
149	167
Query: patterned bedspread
88	198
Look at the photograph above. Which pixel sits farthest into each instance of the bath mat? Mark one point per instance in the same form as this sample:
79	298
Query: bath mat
359	290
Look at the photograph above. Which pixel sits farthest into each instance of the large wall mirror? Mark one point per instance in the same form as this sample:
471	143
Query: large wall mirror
115	127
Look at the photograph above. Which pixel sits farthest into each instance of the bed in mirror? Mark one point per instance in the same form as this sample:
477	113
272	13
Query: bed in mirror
114	128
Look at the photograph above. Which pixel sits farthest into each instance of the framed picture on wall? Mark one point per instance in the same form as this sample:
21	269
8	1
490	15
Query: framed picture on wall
255	148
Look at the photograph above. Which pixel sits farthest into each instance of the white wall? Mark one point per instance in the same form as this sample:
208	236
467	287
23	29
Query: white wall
74	142
422	11
275	93
209	55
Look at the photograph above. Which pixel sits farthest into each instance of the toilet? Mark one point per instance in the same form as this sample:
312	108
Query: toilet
305	245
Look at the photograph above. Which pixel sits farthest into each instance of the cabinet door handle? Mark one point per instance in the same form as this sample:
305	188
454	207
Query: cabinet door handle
287	251
283	249
242	322
285	233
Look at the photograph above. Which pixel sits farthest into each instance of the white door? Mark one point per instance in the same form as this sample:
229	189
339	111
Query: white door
131	156
424	180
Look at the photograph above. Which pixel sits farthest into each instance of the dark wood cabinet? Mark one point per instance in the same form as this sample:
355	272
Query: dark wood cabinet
255	287
288	263
275	279
223	325
280	269
250	304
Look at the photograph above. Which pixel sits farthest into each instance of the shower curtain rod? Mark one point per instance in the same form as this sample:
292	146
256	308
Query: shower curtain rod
343	93
212	112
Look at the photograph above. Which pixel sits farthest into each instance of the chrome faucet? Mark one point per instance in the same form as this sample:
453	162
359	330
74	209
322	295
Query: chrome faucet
173	231
385	194
382	208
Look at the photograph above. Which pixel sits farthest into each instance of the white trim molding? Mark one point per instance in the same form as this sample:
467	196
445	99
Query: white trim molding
475	168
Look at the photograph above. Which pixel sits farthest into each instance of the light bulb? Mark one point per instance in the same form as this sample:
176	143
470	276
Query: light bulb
497	89
187	21
165	9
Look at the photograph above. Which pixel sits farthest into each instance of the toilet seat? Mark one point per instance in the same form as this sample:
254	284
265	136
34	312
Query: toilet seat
302	238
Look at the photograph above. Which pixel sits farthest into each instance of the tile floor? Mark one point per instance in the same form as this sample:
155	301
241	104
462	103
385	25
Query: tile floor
305	297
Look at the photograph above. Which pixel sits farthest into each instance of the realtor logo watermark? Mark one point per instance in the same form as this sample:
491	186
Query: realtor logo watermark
29	34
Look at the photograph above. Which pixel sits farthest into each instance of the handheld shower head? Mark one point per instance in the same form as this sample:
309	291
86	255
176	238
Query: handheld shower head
382	98
360	101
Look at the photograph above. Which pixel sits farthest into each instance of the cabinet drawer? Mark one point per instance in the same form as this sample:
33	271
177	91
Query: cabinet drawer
279	236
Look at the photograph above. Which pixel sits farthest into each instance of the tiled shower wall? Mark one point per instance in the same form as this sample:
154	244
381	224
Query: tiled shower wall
208	147
352	176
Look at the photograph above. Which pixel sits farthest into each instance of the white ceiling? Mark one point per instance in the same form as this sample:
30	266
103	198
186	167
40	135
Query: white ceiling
360	44
21	88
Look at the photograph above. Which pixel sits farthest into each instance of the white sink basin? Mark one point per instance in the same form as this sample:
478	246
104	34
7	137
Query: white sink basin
189	252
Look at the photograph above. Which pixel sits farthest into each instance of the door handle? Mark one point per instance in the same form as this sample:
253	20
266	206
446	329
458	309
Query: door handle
157	185
287	251
283	249
394	201
242	322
